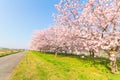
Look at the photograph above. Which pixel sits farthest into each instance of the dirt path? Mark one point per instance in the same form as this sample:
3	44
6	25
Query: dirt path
8	63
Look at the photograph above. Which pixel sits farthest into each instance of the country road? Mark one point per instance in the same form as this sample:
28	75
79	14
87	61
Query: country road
8	63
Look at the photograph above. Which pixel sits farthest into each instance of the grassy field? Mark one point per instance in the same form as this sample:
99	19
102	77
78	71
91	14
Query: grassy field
4	52
39	66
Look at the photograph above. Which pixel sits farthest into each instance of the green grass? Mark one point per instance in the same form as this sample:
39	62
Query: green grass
39	66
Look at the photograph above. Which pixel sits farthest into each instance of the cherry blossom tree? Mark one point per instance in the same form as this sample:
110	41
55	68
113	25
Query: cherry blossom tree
106	17
102	17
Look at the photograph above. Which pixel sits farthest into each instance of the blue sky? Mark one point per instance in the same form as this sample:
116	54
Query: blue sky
19	18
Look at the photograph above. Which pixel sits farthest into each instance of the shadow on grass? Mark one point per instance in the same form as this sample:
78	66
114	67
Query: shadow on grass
90	61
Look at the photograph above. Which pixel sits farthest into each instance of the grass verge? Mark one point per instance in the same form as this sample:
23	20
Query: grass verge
5	54
39	66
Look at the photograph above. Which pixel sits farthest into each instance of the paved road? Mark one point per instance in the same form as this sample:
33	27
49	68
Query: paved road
8	63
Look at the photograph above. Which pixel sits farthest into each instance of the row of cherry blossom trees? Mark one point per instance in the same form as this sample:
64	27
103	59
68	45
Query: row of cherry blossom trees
91	26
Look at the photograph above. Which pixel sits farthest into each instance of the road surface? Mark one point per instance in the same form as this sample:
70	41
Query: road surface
8	63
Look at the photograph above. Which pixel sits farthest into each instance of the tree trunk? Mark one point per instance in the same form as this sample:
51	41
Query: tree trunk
113	64
91	53
56	54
